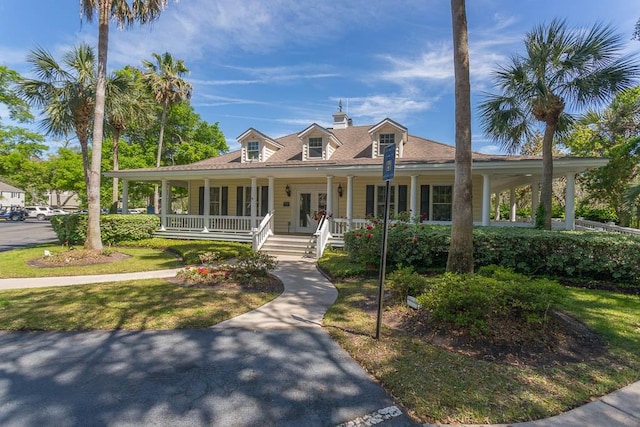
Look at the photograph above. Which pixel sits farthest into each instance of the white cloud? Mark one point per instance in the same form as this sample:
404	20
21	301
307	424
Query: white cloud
267	75
490	149
377	107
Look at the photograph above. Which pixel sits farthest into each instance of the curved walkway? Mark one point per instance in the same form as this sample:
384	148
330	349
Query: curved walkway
274	363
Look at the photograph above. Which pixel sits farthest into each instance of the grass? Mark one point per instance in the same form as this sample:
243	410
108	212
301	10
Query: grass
437	385
147	255
14	263
131	305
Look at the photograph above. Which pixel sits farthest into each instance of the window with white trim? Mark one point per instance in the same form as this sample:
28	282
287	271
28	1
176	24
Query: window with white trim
442	202
315	148
380	199
215	201
246	206
385	140
253	150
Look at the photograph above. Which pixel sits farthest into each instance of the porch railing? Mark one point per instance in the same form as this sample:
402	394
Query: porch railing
322	235
339	226
599	226
264	230
229	224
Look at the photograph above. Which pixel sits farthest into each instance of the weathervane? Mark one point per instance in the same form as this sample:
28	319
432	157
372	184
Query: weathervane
340	106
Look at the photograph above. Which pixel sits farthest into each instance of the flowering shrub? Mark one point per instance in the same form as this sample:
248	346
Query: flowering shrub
248	268
205	275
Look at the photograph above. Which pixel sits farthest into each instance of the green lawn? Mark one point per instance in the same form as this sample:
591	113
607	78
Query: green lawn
133	305
441	386
14	263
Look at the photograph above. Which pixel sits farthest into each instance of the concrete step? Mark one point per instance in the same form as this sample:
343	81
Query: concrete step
289	245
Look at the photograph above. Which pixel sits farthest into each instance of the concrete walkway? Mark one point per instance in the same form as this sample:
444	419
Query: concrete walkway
300	308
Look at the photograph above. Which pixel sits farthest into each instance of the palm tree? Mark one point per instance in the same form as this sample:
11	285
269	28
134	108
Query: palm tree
66	94
133	104
460	258
561	68
125	14
164	77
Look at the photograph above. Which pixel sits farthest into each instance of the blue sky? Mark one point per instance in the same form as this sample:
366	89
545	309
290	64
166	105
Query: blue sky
280	65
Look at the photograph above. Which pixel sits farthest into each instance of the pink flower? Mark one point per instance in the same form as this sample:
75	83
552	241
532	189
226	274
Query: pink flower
369	227
369	235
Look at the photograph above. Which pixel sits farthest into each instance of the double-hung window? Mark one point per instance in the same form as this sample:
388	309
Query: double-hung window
442	202
380	199
385	140
215	201
315	148
253	150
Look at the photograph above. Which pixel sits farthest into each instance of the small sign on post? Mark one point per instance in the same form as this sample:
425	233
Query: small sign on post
388	170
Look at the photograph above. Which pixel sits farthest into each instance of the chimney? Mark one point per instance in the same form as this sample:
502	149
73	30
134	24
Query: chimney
340	119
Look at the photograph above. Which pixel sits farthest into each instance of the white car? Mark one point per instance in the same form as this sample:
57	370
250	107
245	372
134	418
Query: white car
39	212
60	212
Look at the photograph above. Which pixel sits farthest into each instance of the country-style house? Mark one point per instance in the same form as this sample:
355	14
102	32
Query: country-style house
284	186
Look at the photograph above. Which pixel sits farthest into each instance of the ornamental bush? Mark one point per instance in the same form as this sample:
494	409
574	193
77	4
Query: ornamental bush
72	229
477	302
595	256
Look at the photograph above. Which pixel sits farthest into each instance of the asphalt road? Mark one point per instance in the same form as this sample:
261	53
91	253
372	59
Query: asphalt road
20	234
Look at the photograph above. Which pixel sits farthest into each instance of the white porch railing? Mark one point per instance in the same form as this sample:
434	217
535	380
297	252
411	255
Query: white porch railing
264	230
322	235
339	226
599	226
229	224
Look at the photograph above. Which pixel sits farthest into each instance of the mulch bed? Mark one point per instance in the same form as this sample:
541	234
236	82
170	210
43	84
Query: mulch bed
79	257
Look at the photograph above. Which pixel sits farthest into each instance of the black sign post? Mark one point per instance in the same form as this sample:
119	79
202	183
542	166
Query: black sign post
388	170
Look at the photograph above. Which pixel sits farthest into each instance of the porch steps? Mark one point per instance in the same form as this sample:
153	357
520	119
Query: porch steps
303	245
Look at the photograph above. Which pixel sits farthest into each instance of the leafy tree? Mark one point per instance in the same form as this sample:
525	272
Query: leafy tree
560	68
64	169
460	259
164	77
18	108
125	14
613	133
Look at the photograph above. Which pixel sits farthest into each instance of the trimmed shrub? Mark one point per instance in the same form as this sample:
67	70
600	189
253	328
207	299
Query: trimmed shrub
475	302
406	281
589	255
72	229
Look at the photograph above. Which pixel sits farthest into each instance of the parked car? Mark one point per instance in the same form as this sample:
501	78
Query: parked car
13	214
60	212
39	212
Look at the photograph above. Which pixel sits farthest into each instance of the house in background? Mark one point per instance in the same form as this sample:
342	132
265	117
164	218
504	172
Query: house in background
11	196
306	189
67	200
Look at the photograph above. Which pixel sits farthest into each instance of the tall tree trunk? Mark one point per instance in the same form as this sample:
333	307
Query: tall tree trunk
461	250
163	119
115	193
94	239
546	191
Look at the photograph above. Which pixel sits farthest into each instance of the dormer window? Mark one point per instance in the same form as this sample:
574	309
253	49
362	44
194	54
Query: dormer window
315	148
385	140
253	150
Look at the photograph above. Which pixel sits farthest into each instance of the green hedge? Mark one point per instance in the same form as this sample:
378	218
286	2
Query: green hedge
72	229
573	254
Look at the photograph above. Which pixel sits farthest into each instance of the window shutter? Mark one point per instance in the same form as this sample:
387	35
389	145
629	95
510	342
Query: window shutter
201	201
264	200
402	198
224	202
370	200
239	200
424	202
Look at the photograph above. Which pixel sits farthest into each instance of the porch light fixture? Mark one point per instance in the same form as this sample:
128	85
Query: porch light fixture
339	190
287	190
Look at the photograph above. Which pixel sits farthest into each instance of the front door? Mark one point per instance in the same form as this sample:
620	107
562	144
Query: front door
310	206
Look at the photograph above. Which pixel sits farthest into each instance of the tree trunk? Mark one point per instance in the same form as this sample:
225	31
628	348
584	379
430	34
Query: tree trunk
163	119
115	193
546	191
94	239
461	250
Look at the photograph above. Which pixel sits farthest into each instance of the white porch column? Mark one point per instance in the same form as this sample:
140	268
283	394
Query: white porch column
125	196
513	205
413	205
349	201
570	203
163	205
271	204
496	208
486	199
206	209
329	194
254	201
535	200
